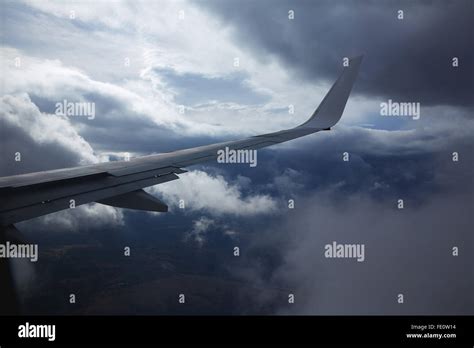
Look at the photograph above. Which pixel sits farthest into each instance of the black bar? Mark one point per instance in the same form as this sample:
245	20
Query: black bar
238	329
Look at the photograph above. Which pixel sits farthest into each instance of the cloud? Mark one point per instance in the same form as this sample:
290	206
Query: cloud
147	100
205	228
438	128
144	91
289	182
85	217
202	192
45	141
53	81
406	251
406	60
199	230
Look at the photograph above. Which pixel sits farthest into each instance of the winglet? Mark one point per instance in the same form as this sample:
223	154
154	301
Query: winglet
330	110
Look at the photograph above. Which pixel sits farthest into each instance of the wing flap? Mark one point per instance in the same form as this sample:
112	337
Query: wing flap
50	206
139	200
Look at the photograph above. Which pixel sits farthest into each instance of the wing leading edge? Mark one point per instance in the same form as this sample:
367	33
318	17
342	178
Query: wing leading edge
120	183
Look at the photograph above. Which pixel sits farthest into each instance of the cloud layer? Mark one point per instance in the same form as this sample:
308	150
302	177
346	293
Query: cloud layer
200	191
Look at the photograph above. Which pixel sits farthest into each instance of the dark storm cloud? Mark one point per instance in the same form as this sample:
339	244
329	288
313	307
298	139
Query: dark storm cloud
34	157
405	60
24	131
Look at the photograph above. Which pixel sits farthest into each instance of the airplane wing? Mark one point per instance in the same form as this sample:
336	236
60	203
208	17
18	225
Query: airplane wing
120	183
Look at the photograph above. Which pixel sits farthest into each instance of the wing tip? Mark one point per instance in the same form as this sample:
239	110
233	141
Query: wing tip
357	60
331	108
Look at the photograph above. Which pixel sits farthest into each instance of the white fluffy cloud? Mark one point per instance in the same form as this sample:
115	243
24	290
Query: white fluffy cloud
203	225
200	228
86	216
213	194
18	111
55	81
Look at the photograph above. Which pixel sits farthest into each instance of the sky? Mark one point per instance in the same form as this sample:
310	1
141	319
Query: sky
167	75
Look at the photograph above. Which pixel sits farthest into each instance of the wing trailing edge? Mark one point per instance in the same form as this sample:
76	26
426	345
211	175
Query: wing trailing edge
138	200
